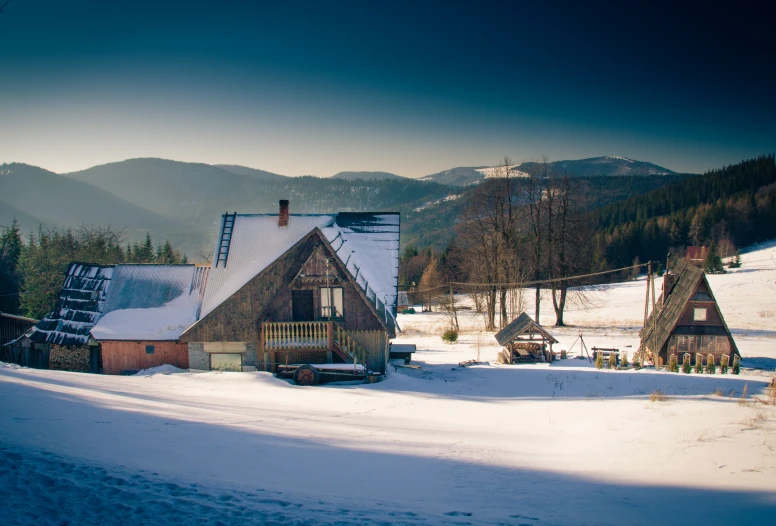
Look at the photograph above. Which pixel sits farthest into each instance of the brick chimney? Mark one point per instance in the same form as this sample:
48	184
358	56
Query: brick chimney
283	213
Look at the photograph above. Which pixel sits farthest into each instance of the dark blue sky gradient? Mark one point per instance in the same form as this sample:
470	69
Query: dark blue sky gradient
318	87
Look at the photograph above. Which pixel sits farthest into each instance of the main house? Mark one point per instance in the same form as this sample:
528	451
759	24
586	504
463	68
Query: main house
299	289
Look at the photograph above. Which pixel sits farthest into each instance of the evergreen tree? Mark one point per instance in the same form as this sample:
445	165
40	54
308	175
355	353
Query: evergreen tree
673	366
144	253
735	262
711	367
698	368
45	257
10	277
686	367
713	263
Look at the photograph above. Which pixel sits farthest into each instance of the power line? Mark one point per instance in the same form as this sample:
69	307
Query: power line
530	283
2	7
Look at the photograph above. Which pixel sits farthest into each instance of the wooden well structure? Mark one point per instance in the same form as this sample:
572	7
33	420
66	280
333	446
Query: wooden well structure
526	341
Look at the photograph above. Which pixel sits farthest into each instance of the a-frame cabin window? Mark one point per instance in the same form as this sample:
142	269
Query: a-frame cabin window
331	302
699	314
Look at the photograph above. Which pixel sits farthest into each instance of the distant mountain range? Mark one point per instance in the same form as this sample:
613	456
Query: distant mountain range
595	166
457	176
600	166
184	201
34	195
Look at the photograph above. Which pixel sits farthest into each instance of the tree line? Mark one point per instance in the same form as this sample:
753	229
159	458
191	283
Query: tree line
727	208
513	230
546	227
32	269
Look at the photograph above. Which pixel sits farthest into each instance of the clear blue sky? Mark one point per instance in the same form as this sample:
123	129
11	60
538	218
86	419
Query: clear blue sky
320	87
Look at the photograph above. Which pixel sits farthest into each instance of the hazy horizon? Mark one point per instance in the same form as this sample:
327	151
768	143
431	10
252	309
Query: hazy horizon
307	88
301	175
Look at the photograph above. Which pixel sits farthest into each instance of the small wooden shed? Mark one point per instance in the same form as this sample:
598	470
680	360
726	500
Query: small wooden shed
147	309
63	334
526	340
12	327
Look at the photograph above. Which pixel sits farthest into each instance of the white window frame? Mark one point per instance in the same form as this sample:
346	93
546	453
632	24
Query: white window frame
338	295
700	314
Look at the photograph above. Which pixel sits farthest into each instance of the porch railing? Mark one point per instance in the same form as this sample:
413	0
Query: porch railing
295	335
313	336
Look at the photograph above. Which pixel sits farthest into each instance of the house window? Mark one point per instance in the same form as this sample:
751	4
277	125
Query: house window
149	349
331	302
699	314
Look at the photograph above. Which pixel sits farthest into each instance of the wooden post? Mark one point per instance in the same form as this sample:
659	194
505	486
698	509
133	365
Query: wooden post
643	350
655	350
654	299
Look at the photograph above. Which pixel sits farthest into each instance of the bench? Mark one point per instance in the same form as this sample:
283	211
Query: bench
402	351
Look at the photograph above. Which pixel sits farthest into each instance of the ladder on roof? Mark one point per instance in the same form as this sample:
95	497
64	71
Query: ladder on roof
225	240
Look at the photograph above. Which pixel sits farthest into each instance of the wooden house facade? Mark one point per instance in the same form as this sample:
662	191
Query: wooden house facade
687	318
147	309
299	289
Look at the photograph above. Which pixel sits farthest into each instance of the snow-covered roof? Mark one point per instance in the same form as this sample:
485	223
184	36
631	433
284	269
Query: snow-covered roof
367	243
151	302
80	304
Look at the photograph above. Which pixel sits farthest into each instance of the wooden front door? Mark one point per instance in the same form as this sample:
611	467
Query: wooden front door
302	305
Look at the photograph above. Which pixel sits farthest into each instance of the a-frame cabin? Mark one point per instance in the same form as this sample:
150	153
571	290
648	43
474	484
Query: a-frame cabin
687	318
299	289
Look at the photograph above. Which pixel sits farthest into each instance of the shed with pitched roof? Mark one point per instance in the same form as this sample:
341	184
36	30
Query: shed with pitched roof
147	309
526	340
687	318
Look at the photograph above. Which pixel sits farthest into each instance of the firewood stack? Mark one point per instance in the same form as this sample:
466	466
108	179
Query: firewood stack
69	359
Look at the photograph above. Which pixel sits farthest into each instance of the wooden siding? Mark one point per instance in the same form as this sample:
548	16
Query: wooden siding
11	327
679	344
131	356
376	343
239	318
26	353
712	314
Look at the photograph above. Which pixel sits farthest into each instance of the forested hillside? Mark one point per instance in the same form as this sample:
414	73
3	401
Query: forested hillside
731	207
431	225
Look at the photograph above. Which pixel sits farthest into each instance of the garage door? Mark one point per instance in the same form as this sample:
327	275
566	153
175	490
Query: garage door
226	362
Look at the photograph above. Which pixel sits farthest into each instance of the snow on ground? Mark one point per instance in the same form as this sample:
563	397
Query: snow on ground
529	444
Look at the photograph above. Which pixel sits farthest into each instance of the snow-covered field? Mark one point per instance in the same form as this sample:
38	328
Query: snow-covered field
531	444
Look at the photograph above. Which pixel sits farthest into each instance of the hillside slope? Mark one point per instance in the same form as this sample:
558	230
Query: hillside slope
595	166
460	176
734	206
195	192
8	213
606	165
260	175
58	200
